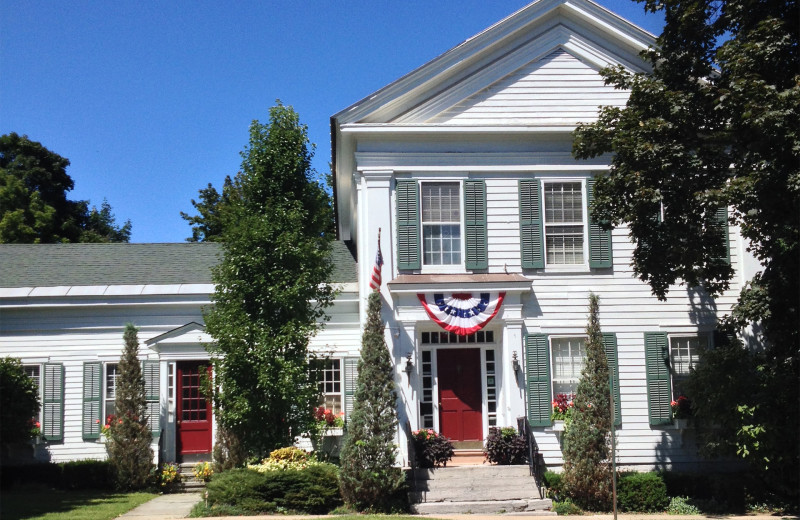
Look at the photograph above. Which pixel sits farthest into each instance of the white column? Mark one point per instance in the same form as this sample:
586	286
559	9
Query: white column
513	391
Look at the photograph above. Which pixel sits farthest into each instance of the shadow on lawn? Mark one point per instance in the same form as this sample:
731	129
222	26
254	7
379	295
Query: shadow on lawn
30	502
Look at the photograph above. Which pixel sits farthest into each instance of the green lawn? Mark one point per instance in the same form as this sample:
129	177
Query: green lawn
49	504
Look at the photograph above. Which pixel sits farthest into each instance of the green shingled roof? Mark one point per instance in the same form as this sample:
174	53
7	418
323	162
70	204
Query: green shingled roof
48	265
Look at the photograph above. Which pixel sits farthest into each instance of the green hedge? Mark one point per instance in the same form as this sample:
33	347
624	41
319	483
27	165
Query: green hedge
313	490
78	474
642	493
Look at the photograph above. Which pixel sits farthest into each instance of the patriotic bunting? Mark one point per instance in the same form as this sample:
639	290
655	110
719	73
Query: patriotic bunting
462	313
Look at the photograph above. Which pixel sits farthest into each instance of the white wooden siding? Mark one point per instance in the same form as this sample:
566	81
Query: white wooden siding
557	89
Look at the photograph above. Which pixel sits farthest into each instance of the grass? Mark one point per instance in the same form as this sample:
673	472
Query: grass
38	503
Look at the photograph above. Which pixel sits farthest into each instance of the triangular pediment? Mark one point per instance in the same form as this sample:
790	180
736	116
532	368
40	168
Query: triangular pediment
507	74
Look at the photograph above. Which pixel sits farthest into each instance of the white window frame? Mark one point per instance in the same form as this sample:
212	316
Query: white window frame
559	380
584	227
434	268
38	379
105	387
675	377
323	371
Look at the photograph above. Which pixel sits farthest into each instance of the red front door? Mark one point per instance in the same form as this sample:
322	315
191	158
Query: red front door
193	409
459	372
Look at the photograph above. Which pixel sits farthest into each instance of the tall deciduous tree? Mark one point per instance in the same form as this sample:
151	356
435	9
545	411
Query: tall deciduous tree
369	479
271	288
19	404
587	471
129	441
208	224
717	125
33	199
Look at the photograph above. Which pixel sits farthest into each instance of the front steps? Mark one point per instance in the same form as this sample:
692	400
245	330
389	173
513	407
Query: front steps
190	483
483	489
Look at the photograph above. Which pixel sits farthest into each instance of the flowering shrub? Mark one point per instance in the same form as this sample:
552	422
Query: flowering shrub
36	428
432	449
268	465
203	471
169	476
290	454
563	405
105	430
681	408
327	418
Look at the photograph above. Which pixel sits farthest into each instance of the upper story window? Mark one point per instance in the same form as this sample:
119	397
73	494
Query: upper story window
563	222
441	223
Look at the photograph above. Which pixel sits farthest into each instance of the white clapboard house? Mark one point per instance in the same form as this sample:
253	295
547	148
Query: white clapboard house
465	167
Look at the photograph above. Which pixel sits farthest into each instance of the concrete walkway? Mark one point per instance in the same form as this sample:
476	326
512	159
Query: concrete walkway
166	507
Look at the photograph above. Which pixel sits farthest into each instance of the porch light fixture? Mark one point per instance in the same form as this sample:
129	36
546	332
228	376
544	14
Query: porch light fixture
515	362
409	365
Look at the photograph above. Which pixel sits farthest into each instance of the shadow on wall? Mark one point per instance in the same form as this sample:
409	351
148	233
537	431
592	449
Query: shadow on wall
703	308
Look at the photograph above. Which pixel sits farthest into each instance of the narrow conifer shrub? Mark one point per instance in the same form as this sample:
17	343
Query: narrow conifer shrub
642	493
369	479
129	437
587	472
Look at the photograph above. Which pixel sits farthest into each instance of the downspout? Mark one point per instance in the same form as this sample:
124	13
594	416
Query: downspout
333	179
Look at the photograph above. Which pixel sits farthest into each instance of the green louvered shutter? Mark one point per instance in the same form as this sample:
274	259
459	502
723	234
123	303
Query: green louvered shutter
475	220
53	402
152	388
656	353
408	250
721	223
530	224
540	402
350	384
92	392
599	239
610	344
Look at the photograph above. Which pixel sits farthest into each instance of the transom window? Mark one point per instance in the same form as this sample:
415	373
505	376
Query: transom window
441	223
328	374
568	356
684	354
564	222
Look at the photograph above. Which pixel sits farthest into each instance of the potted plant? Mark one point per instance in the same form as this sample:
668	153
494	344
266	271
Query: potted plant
432	449
563	405
681	411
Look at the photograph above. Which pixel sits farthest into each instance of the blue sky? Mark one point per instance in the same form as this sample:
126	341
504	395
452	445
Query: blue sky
151	101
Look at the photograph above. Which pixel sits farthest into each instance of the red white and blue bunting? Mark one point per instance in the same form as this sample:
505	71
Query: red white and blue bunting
462	313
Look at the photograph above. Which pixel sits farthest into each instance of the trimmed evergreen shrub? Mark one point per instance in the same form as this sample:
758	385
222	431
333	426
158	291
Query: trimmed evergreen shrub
642	493
313	490
505	446
567	507
554	485
587	468
369	479
77	474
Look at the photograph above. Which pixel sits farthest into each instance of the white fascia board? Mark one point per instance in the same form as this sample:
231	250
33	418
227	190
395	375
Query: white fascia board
105	290
479	162
379	128
512	287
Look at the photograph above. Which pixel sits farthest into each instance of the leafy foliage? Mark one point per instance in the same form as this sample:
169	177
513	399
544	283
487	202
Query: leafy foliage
554	483
642	493
313	490
682	506
715	124
432	449
129	439
369	480
587	471
505	446
19	402
270	288
33	197
209	224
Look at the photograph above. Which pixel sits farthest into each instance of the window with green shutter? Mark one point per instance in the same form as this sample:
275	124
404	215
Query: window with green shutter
656	352
537	371
599	239
92	419
476	244
530	224
721	223
151	371
350	384
53	402
408	247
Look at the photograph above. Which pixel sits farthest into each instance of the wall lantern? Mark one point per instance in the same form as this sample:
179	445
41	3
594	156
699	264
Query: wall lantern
409	365
515	362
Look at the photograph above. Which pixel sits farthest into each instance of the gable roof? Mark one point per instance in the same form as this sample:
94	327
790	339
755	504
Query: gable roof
52	265
586	30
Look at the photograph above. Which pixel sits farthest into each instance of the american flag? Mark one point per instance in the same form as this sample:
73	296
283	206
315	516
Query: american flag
375	283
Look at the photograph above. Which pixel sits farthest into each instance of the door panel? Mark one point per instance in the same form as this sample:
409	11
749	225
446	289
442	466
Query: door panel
193	409
460	409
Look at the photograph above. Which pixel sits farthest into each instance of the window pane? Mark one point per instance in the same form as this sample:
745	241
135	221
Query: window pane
441	223
441	202
563	204
568	356
684	355
441	244
328	373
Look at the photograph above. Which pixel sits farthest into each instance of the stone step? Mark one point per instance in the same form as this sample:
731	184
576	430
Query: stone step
484	471
465	494
539	507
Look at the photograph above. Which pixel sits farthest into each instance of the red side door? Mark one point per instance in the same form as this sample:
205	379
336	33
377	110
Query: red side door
193	409
460	410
